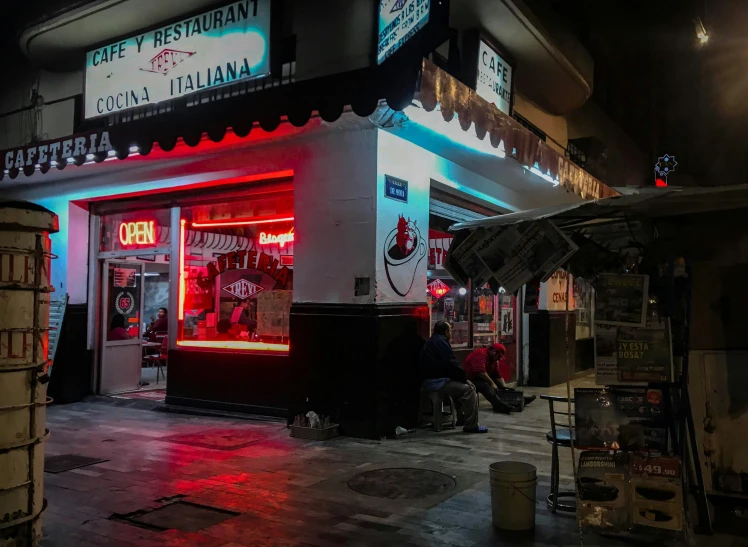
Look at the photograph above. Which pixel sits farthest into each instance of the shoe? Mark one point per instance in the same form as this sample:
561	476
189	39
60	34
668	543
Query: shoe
476	429
529	399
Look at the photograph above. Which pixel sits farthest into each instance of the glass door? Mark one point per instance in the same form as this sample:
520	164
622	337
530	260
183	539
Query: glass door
122	315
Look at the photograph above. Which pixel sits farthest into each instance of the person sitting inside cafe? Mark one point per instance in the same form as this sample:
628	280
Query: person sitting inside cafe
223	327
442	373
244	318
159	326
117	331
482	368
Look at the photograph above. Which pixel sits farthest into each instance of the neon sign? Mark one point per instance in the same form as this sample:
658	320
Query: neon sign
137	233
438	288
280	239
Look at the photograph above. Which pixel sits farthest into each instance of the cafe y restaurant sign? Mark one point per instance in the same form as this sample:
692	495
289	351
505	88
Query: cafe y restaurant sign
216	48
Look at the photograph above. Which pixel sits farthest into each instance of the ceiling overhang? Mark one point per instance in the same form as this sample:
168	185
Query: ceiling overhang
59	40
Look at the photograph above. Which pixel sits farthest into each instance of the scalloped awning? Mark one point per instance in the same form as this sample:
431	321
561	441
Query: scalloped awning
362	90
329	96
439	89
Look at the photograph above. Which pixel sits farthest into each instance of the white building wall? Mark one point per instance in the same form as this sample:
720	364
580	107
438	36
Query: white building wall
334	179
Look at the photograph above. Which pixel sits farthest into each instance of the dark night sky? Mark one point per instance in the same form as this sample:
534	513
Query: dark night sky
670	95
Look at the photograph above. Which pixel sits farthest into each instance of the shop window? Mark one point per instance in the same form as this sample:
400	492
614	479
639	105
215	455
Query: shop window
448	302
237	274
584	296
485	325
134	231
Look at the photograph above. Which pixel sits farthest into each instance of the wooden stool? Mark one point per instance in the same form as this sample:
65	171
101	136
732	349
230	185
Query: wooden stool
431	409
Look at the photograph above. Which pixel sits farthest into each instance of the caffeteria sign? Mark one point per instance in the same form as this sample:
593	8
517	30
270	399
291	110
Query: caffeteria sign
219	47
494	78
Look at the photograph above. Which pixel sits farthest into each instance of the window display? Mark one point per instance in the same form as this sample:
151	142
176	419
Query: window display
584	296
484	317
452	307
236	284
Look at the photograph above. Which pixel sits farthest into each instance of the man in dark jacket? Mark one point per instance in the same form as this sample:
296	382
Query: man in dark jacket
442	372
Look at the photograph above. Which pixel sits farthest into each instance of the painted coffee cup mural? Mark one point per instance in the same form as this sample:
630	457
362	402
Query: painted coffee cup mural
404	249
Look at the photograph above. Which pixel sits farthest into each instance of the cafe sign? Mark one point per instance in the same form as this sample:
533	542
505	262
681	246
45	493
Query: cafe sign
489	69
218	47
494	77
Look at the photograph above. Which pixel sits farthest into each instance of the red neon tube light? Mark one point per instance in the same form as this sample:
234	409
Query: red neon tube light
182	288
241	222
141	232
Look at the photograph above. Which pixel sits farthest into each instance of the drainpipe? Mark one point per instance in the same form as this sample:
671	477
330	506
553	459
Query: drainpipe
24	323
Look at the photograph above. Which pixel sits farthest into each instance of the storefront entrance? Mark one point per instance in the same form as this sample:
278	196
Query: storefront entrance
135	293
134	333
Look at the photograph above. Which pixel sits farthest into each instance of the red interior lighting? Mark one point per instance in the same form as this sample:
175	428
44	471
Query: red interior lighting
241	222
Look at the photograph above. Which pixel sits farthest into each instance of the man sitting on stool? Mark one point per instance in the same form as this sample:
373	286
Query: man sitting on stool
482	368
441	372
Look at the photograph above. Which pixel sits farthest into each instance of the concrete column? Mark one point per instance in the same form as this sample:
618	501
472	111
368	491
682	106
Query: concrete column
24	319
359	315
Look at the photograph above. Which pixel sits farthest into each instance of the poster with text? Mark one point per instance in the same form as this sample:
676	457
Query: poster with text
627	418
554	292
124	277
621	299
633	355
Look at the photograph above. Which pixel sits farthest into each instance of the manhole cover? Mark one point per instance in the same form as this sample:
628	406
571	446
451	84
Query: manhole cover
181	515
66	462
219	439
401	483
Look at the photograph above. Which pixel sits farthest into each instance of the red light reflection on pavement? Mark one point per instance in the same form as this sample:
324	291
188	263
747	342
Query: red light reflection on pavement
191	539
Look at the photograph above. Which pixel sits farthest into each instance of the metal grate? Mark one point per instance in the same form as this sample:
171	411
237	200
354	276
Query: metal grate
180	515
402	483
66	462
535	130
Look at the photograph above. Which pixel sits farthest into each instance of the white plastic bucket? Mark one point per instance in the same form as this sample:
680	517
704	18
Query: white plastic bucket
513	495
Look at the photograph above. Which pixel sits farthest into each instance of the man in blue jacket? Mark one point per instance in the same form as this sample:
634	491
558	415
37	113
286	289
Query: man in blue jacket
442	372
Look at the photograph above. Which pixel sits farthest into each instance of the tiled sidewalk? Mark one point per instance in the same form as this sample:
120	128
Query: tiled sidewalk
282	491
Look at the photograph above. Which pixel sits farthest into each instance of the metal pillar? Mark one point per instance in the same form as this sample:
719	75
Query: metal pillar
24	320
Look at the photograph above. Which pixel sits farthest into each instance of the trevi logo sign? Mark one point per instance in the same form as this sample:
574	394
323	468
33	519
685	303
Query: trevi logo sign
216	48
243	289
166	60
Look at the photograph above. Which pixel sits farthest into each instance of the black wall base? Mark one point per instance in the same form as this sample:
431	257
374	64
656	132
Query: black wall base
71	377
228	380
358	364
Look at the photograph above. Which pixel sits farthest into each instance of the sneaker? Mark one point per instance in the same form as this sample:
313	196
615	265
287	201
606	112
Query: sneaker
476	429
529	399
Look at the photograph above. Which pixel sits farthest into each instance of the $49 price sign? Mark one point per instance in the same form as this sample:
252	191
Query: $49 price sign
663	466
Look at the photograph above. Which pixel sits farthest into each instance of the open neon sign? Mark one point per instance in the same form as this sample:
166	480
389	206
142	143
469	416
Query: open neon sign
137	233
280	239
